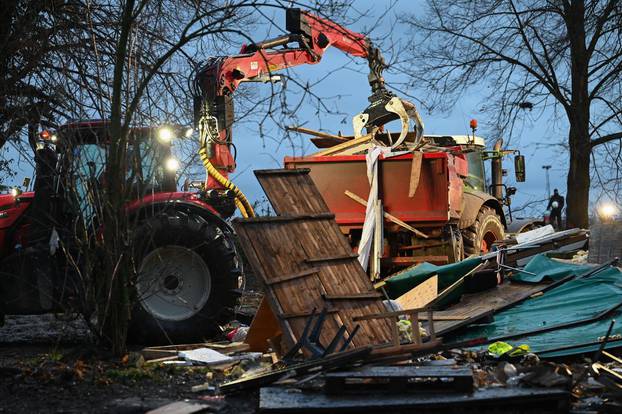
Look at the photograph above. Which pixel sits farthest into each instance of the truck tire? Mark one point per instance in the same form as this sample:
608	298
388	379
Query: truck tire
187	275
487	228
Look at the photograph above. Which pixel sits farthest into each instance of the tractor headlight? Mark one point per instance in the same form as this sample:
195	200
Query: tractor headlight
171	164
165	134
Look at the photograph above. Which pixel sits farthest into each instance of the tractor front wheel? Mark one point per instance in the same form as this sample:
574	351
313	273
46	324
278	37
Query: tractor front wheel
479	237
187	273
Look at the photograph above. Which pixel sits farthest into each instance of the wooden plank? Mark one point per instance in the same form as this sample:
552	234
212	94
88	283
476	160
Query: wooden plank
293	276
409	260
163	359
348	256
326	142
344	146
388	216
415	173
306	314
420	295
400	379
271	219
354	296
291	191
394	314
263	327
314	133
406	348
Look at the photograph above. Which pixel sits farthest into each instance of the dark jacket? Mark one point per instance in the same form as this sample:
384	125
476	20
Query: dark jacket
559	199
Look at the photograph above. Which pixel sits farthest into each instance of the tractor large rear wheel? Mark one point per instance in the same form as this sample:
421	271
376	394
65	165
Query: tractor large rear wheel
479	237
187	273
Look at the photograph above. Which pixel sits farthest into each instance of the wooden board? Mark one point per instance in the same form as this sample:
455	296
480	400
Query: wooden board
281	399
264	327
291	191
289	245
305	262
475	305
400	379
419	296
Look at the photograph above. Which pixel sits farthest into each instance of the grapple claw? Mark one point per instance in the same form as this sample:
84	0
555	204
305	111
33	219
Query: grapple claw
386	109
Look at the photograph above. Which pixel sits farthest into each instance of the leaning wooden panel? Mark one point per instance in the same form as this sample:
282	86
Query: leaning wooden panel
291	191
286	250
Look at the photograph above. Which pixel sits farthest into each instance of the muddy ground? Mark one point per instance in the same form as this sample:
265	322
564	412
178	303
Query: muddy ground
49	365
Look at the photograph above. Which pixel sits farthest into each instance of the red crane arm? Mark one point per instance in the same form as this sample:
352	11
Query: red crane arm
314	35
220	77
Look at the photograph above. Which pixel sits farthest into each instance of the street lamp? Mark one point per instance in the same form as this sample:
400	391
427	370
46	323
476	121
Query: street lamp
546	168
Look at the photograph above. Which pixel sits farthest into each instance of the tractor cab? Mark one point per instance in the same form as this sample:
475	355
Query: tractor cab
473	148
82	149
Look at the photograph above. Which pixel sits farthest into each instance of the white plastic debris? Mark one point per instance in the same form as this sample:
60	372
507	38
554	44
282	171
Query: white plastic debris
205	356
535	234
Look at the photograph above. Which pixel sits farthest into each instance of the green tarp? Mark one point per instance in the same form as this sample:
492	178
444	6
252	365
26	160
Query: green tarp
575	300
404	281
547	269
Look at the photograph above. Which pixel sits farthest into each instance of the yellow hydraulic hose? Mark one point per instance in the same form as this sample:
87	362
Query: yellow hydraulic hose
241	202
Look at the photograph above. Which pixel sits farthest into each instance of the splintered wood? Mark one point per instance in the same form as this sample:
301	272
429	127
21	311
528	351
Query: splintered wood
306	263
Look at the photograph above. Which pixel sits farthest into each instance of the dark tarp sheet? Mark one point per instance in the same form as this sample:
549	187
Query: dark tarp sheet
404	281
574	300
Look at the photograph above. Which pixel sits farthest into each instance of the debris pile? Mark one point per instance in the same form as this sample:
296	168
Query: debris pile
486	332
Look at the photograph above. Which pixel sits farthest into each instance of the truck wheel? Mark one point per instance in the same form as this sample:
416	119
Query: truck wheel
187	273
479	237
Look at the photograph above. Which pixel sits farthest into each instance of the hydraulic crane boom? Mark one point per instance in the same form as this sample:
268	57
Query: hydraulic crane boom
218	79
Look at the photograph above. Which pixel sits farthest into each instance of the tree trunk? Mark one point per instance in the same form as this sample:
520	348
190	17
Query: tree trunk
578	184
115	298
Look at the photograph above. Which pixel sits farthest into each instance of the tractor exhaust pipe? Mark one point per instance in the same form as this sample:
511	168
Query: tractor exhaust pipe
496	164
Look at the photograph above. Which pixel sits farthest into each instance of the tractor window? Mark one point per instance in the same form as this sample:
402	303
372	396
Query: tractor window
476	178
146	172
86	174
85	178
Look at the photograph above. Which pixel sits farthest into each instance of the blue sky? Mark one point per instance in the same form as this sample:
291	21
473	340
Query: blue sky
347	78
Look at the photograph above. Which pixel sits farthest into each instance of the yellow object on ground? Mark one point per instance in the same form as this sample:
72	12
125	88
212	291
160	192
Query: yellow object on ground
502	348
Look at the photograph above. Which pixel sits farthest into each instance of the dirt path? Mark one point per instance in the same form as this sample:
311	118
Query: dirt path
50	366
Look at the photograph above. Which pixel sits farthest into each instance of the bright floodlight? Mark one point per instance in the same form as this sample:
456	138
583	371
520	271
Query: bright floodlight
607	210
165	134
171	164
189	132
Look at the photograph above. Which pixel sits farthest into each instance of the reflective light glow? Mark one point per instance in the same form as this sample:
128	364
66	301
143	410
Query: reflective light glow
14	192
189	132
54	138
171	164
607	210
165	134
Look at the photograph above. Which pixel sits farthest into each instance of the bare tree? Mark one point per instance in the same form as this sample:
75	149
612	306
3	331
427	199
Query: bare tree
525	55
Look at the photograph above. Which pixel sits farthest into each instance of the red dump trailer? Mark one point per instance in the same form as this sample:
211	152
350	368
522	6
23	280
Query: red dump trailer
450	204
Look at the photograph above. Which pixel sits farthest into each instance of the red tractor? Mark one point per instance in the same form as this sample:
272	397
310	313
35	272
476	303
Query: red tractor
188	268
